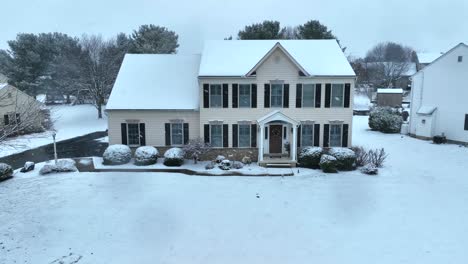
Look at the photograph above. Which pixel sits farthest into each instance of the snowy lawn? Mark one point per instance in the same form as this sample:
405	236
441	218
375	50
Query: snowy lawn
413	212
70	122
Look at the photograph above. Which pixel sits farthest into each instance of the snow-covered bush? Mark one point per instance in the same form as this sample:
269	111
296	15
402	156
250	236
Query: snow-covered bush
174	157
309	157
237	165
63	165
219	159
28	166
385	119
362	156
225	165
246	160
370	169
116	155
146	155
5	171
377	157
328	164
195	148
209	166
345	157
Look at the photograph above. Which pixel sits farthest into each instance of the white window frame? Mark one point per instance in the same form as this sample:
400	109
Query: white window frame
238	135
314	87
250	95
341	135
128	134
302	135
221	96
13	118
176	123
222	135
282	95
343	96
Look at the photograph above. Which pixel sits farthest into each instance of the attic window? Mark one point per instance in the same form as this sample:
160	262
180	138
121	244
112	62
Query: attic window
460	58
254	73
301	73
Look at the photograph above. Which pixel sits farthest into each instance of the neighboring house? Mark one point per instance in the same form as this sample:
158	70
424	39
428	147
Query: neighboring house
19	110
425	58
392	97
258	98
438	104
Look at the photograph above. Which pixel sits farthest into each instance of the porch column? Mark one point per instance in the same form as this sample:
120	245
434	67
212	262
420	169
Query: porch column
260	142
294	144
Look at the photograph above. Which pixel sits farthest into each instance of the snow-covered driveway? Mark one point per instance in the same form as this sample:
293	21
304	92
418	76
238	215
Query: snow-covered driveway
413	212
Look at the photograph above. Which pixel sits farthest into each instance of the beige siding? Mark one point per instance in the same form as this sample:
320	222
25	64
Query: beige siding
277	67
13	100
154	124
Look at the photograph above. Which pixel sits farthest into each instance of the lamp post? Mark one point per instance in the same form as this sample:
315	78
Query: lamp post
55	147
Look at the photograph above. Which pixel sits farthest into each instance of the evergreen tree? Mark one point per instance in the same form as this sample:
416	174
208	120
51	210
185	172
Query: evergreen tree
265	30
154	39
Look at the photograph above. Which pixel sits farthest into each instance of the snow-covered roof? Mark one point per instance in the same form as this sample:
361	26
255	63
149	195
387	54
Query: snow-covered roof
3	85
428	57
460	45
156	81
238	57
426	110
389	90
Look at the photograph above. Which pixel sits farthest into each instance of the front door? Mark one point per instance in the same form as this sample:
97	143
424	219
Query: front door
276	138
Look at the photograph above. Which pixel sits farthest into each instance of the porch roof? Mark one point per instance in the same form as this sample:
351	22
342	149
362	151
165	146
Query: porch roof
276	115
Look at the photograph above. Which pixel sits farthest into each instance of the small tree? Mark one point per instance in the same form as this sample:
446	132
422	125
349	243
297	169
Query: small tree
195	148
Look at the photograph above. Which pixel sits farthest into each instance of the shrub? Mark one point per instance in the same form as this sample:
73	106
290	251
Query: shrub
247	160
225	165
174	157
146	155
328	164
195	148
116	155
209	166
219	159
237	165
377	157
5	171
309	157
345	157
28	166
63	165
385	119
370	169
362	157
439	139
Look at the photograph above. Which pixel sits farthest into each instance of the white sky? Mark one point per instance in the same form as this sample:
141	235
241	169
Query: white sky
429	25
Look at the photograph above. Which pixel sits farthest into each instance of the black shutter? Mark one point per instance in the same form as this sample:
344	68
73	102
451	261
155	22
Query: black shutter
6	120
253	135
266	102
347	95
327	95
326	131
206	95
142	134
186	133
286	95
206	133
225	136
167	132
299	129
318	95
345	136
235	129
299	95
123	131
225	95
466	122
254	95
317	135
235	95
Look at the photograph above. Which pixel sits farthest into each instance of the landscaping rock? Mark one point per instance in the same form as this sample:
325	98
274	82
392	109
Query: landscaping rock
225	165
370	169
219	159
63	165
247	160
237	165
28	166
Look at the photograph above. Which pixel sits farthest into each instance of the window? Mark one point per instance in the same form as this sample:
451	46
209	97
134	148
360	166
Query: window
307	135
308	95
216	95
335	135
177	134
460	58
276	95
244	136
244	95
133	133
216	136
337	95
466	122
11	119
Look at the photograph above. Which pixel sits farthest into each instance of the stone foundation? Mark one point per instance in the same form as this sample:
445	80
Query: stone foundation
230	153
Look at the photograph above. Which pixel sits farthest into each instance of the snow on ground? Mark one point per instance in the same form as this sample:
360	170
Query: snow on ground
414	211
361	102
70	121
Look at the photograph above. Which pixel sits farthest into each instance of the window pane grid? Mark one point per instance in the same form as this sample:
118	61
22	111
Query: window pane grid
307	135
337	95
308	95
244	136
216	99
216	137
335	135
276	95
133	132
177	134
244	95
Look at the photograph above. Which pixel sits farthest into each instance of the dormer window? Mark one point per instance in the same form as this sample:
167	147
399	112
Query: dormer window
460	58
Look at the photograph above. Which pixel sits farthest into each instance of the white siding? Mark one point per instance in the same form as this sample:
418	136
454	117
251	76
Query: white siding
13	100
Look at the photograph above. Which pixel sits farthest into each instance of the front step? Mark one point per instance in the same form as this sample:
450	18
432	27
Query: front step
280	165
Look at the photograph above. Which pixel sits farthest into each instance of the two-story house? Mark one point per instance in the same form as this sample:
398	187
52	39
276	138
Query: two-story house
261	98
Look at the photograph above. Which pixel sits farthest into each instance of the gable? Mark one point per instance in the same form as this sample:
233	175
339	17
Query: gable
277	64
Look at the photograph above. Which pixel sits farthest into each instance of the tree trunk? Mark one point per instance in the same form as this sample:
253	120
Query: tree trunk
99	108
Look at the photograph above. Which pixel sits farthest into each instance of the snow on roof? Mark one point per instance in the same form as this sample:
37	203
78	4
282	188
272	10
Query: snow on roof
426	110
389	90
156	81
3	85
238	57
428	57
